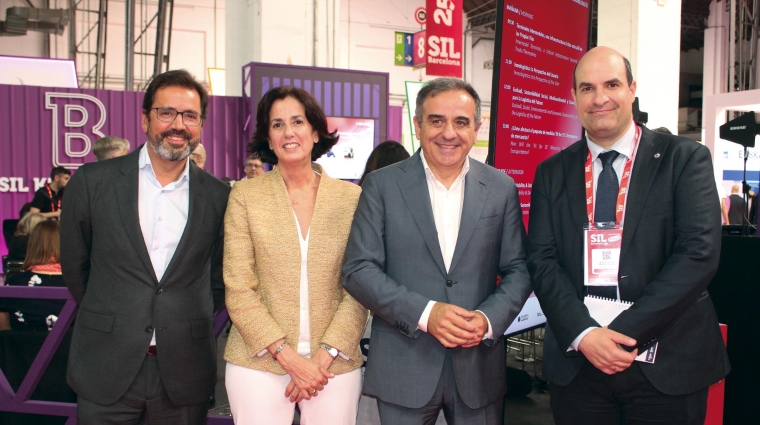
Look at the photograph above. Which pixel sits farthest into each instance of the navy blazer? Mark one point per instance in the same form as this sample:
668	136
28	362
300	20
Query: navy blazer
670	252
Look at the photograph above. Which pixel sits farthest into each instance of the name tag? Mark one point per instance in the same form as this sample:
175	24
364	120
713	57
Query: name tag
601	256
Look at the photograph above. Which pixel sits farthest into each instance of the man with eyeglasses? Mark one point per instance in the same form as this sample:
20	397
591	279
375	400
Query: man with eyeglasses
253	167
141	248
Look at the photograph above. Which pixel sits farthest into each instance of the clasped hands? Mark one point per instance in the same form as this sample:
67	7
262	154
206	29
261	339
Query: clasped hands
455	326
602	347
307	376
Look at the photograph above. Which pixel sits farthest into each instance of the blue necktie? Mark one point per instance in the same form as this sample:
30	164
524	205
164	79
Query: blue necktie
606	189
606	199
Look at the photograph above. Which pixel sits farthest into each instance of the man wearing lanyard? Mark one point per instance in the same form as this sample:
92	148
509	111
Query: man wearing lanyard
47	199
657	193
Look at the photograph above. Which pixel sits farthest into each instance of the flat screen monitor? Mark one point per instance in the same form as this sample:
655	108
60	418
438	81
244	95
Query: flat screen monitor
346	160
532	111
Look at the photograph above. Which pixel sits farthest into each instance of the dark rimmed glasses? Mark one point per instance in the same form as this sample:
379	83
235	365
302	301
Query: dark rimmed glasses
190	118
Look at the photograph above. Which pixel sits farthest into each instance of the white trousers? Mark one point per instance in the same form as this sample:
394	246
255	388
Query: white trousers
258	397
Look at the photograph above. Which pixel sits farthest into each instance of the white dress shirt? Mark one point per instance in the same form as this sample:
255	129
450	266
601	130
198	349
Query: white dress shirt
162	212
447	207
624	146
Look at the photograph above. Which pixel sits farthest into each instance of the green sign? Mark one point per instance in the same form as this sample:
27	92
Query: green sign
402	52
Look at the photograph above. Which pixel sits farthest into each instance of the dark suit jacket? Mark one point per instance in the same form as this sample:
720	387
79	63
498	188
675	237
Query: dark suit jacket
670	252
107	268
736	210
394	266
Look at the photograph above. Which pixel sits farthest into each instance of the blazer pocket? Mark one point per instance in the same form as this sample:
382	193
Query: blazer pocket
202	328
489	221
96	321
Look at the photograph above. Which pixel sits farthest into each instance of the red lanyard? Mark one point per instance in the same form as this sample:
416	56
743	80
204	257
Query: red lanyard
52	204
620	206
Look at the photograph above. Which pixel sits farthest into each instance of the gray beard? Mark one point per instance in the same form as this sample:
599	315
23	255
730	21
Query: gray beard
167	154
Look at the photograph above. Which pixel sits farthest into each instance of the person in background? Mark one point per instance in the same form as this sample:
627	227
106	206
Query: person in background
42	267
19	243
253	167
110	147
25	209
386	153
295	333
199	156
752	207
736	206
663	130
723	204
47	199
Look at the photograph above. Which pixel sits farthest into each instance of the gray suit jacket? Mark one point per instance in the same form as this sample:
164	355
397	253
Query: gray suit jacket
394	266
107	268
670	252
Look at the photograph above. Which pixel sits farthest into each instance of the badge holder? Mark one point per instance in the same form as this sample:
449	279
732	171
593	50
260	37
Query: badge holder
601	253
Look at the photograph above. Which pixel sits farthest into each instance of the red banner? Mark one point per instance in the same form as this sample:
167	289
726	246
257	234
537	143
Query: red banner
444	38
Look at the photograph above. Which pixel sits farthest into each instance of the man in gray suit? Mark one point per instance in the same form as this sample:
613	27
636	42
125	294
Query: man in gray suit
430	236
141	251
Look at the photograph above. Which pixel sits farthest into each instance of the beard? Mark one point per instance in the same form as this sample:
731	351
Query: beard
166	152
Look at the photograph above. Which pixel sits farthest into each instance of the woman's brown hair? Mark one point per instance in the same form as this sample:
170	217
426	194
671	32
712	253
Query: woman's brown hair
44	245
259	144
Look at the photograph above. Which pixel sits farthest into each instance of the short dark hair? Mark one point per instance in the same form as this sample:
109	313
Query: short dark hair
59	171
444	84
252	156
386	153
174	78
663	130
259	144
628	72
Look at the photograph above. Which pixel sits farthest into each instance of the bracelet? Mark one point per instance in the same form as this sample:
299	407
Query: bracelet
333	352
277	351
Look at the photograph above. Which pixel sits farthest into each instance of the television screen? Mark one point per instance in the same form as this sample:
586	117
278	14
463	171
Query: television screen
532	112
346	160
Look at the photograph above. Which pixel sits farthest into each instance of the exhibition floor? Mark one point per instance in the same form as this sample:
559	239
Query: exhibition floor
532	409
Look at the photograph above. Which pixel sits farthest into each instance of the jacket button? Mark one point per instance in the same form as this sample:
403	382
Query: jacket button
449	283
160	291
149	329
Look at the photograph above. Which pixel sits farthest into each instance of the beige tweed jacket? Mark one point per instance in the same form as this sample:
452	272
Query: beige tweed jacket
262	272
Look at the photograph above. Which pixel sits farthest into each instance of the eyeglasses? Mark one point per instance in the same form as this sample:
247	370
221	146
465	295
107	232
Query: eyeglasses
190	118
254	166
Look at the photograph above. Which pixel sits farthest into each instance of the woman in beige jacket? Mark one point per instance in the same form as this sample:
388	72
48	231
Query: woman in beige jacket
296	331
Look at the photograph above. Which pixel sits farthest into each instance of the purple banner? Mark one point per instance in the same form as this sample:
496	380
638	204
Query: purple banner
47	127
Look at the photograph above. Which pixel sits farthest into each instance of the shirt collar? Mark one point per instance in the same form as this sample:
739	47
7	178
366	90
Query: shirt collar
624	145
429	172
144	163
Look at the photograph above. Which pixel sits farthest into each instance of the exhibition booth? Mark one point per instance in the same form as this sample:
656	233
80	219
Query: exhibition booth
533	116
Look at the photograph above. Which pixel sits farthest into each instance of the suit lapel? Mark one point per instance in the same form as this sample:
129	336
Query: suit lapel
573	161
413	186
475	197
196	212
642	176
126	187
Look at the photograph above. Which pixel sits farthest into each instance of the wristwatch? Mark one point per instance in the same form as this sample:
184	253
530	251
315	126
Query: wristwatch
332	351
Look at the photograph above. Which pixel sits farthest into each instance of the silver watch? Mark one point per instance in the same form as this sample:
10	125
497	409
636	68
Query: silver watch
332	351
